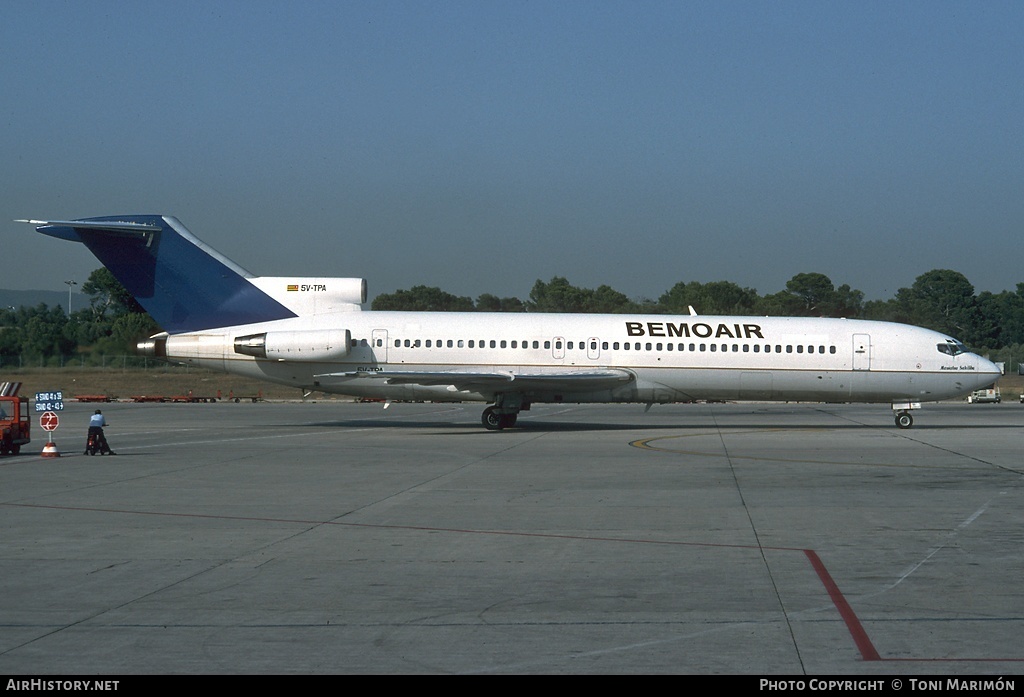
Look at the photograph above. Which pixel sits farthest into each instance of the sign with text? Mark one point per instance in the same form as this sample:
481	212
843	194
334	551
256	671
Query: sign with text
49	401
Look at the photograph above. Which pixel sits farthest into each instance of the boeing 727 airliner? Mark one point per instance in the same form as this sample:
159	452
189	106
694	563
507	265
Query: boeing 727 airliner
312	333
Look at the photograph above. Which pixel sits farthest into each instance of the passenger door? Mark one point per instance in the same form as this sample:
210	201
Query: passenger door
862	352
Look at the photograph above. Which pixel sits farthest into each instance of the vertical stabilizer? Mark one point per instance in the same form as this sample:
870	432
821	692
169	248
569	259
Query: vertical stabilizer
184	284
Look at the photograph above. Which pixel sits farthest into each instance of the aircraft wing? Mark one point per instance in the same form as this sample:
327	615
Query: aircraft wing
497	381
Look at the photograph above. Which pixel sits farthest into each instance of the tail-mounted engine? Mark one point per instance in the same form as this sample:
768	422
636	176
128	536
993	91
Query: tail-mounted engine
308	345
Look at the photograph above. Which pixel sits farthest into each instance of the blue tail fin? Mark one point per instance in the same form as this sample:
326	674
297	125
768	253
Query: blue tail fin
184	284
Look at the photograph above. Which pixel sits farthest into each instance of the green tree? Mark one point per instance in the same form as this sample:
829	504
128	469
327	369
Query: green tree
942	300
42	332
814	290
422	299
558	295
818	297
608	300
131	327
492	303
714	298
107	295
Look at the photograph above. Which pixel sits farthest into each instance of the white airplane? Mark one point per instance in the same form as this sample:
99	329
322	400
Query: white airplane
312	333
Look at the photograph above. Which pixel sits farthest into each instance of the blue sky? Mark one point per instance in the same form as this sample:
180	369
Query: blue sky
480	146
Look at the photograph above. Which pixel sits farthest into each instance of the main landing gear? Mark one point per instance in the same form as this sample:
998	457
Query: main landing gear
493	421
504	412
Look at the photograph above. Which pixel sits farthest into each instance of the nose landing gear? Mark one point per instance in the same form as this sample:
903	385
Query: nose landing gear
903	417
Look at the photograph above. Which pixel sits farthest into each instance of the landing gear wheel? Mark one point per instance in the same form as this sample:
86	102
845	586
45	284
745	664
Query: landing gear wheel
904	420
492	420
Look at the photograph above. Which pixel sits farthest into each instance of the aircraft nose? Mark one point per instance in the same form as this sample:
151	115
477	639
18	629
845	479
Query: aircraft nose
987	367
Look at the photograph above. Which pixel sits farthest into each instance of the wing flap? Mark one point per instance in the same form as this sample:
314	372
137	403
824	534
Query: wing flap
498	381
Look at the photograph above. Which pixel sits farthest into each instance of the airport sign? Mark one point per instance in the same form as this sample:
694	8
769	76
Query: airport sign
49	421
49	401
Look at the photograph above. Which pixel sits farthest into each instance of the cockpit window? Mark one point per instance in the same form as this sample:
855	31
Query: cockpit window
951	348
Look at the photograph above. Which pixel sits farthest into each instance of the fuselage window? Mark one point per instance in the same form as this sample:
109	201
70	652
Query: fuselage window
547	345
461	343
636	346
504	344
714	348
625	346
831	349
703	348
558	345
669	347
536	344
800	349
648	346
604	345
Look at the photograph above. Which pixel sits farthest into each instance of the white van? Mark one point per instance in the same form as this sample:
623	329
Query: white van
988	395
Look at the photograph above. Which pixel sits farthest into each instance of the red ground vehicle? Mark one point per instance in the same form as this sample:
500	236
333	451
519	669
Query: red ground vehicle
15	430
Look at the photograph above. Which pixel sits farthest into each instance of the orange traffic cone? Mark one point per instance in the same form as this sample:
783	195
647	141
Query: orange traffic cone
50	450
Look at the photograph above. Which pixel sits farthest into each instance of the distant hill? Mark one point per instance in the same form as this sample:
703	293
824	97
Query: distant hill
31	298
